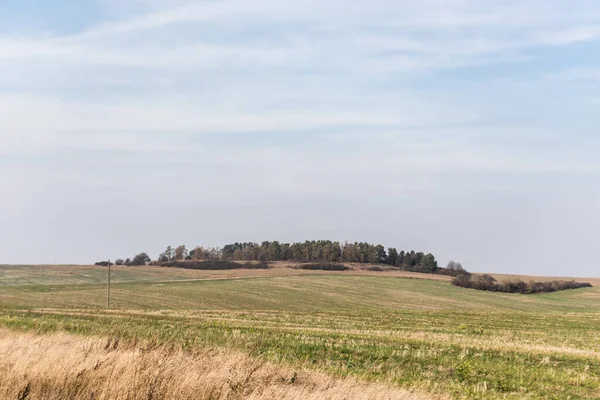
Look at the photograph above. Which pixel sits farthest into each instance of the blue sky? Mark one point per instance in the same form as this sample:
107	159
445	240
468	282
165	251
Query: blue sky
465	128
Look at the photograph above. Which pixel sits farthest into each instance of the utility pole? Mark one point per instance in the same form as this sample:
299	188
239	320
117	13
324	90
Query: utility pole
108	287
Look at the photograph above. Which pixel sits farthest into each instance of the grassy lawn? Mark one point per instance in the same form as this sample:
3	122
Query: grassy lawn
412	333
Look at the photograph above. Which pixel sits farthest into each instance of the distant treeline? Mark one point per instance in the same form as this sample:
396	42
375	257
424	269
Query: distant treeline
316	251
313	251
489	283
139	259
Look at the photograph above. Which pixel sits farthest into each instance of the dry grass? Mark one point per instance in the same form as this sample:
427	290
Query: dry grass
501	341
60	366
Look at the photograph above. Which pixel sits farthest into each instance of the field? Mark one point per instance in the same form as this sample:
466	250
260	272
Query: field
365	334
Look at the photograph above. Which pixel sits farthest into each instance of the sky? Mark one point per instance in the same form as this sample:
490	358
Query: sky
465	128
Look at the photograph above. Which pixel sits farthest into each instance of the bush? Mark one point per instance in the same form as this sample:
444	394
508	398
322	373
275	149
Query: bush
103	263
140	259
213	265
486	282
323	267
438	271
450	272
375	269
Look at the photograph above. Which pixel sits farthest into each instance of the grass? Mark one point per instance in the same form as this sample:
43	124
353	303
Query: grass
414	334
307	293
25	275
106	369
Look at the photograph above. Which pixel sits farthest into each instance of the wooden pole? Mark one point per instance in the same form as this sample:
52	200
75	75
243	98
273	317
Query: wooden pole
108	287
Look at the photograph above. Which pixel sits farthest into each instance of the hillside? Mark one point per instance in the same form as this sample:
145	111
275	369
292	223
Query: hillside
421	335
19	275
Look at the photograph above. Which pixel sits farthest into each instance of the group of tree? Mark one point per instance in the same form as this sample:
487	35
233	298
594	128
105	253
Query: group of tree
312	251
138	259
489	283
315	251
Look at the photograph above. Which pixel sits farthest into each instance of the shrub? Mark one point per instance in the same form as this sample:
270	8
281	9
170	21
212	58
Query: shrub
486	282
213	265
438	271
103	263
140	259
323	267
450	272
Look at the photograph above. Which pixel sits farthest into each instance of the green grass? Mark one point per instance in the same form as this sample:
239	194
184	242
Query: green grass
21	275
414	333
306	293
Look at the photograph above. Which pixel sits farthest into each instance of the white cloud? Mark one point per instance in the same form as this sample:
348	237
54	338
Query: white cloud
26	118
568	36
454	29
251	84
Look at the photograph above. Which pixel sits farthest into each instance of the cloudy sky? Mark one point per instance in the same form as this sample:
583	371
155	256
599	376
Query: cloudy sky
467	128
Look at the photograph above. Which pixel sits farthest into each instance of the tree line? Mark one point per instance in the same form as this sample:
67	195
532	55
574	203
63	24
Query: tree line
309	251
138	259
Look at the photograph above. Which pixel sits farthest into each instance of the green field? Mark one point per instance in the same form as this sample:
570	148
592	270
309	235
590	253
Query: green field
414	333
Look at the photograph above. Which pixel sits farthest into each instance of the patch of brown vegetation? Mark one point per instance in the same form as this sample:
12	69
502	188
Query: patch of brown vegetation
61	366
528	278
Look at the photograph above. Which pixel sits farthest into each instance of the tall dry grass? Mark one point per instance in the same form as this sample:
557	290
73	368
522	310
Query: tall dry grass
61	366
